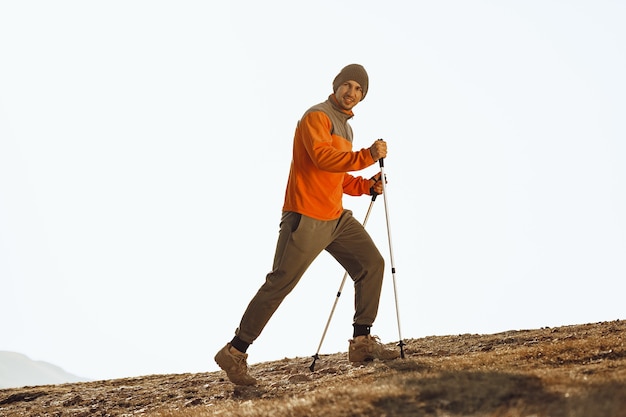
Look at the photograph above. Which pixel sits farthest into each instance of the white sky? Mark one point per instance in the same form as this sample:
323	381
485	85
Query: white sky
145	145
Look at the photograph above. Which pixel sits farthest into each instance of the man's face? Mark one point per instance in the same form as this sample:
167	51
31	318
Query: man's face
349	94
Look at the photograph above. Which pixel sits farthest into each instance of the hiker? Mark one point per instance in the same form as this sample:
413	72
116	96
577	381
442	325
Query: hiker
313	220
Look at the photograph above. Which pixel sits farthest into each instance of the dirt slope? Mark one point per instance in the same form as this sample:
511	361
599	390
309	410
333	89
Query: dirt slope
566	371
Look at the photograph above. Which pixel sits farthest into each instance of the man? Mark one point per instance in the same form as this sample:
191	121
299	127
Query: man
314	220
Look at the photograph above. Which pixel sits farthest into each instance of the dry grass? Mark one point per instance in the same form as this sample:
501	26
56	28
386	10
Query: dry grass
573	371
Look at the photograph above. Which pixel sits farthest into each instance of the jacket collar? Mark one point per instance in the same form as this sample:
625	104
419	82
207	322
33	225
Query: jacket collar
333	101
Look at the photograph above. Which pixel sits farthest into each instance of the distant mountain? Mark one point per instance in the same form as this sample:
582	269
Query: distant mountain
17	370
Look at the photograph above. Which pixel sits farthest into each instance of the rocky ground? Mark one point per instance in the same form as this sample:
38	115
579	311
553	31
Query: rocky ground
566	371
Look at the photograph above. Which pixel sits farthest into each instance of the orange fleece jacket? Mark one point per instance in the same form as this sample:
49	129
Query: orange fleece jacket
322	158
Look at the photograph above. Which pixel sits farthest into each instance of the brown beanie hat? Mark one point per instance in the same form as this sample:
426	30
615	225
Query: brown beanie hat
354	72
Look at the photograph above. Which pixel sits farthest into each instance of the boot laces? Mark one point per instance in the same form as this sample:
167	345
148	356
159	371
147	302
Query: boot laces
240	360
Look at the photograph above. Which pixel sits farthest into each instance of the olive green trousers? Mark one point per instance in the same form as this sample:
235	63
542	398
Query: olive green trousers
301	239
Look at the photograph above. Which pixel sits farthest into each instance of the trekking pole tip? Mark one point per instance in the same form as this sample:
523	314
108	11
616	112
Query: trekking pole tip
401	344
315	358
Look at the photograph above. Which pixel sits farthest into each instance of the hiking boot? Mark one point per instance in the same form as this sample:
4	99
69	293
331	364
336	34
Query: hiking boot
368	348
235	366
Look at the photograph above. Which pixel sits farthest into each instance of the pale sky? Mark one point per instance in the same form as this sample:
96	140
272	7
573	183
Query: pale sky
145	146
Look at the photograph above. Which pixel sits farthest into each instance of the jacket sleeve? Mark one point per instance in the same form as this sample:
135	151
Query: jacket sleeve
318	142
355	185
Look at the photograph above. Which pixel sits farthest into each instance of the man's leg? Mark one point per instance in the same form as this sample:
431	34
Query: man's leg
299	242
301	239
354	249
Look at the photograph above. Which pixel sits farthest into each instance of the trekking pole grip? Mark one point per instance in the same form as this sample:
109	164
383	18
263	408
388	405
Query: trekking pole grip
381	161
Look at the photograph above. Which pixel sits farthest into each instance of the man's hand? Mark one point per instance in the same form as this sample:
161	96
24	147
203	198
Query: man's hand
379	149
376	185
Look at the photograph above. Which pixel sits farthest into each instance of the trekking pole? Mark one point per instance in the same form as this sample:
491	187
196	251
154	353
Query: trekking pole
343	281
393	267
